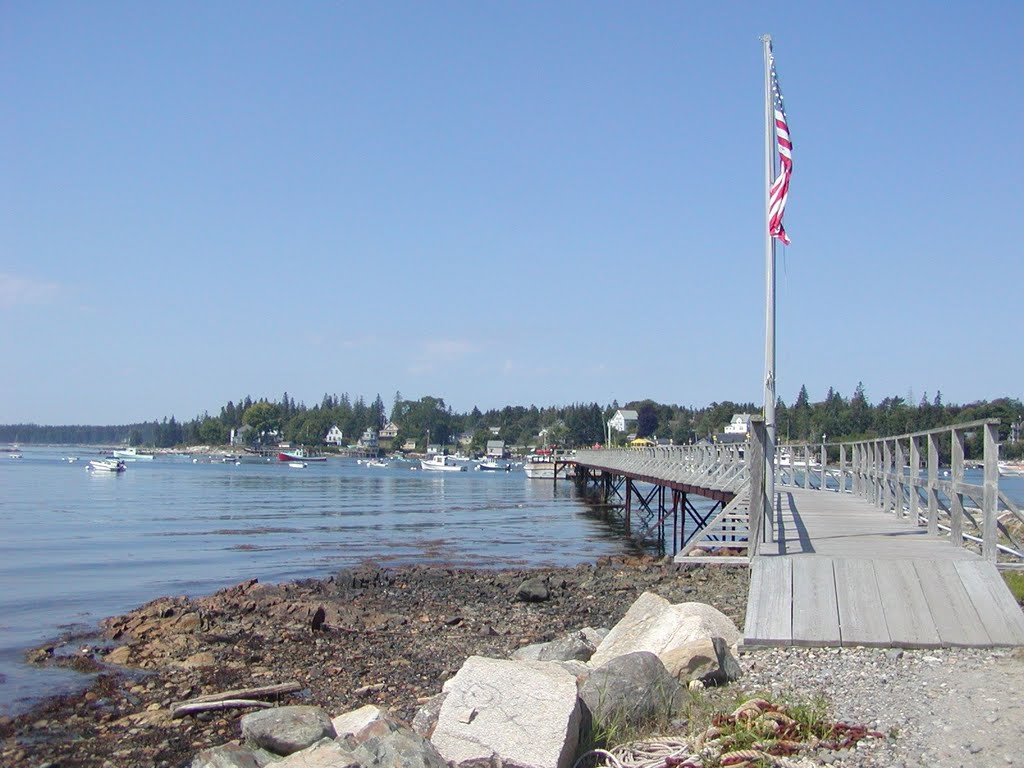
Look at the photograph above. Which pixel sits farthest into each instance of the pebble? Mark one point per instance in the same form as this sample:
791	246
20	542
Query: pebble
924	702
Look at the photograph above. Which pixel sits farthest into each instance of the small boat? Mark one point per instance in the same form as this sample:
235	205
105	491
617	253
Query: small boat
489	465
71	459
377	463
439	463
1011	468
298	455
540	466
131	454
106	465
13	455
298	464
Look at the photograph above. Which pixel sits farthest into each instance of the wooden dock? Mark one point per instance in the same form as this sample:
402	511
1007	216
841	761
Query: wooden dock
840	572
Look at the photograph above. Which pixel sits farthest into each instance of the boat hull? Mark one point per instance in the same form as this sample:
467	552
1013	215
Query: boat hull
299	457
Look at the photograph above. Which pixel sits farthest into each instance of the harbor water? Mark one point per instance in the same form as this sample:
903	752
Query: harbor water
77	546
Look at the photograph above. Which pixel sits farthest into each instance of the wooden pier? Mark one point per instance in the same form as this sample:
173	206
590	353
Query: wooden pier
873	550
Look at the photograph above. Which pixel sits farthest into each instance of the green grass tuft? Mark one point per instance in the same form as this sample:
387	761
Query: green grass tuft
1015	581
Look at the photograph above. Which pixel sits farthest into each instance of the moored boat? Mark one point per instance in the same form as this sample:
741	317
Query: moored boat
1011	468
106	465
490	465
441	463
131	454
297	464
298	454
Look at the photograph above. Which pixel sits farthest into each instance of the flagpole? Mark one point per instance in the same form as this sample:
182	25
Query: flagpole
769	280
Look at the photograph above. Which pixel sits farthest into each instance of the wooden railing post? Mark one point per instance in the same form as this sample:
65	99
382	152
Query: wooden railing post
761	508
822	483
842	468
886	464
956	501
915	472
933	484
990	494
806	451
898	479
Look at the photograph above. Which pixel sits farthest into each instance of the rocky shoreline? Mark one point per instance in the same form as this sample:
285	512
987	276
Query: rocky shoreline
370	635
392	637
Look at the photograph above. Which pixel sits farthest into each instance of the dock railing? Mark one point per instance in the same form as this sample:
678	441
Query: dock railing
901	476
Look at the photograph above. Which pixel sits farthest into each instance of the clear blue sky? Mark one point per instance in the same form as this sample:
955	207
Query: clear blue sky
501	203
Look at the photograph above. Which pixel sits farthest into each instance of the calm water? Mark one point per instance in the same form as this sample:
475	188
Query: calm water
76	547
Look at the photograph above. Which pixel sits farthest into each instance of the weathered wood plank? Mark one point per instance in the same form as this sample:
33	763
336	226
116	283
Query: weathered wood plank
815	612
998	611
903	602
769	619
861	620
951	608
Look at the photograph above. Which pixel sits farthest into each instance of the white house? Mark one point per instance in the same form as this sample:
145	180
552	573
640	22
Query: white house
334	436
623	420
740	424
495	449
240	436
369	439
390	431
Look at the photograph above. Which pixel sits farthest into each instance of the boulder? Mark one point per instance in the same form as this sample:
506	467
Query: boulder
631	689
571	648
352	722
707	660
655	625
426	716
324	754
284	730
388	743
533	591
226	756
524	712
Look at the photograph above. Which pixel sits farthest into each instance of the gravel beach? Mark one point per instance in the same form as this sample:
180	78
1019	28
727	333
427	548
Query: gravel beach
392	637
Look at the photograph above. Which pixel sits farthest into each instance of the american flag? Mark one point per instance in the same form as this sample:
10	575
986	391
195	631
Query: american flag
780	187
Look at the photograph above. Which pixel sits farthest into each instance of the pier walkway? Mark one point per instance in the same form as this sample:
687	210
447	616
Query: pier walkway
873	549
842	573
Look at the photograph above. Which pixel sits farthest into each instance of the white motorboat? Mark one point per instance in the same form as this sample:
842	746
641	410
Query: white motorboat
131	454
1011	468
298	464
377	463
540	467
106	465
439	463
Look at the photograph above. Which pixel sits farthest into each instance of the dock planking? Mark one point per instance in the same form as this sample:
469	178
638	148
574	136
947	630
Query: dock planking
844	573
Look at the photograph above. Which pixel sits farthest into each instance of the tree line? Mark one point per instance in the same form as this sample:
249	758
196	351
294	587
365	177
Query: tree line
430	420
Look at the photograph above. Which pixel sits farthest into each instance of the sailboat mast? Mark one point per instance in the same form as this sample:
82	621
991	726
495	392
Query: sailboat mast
769	278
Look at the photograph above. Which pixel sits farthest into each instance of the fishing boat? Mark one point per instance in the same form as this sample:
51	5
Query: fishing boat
540	466
439	463
131	454
490	465
106	465
298	454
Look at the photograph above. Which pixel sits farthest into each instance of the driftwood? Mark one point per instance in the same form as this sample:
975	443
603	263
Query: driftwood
180	710
368	689
240	697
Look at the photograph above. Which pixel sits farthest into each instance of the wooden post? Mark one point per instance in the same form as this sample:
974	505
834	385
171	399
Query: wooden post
806	452
822	483
956	501
898	479
886	465
990	494
933	484
761	508
842	468
915	474
629	504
